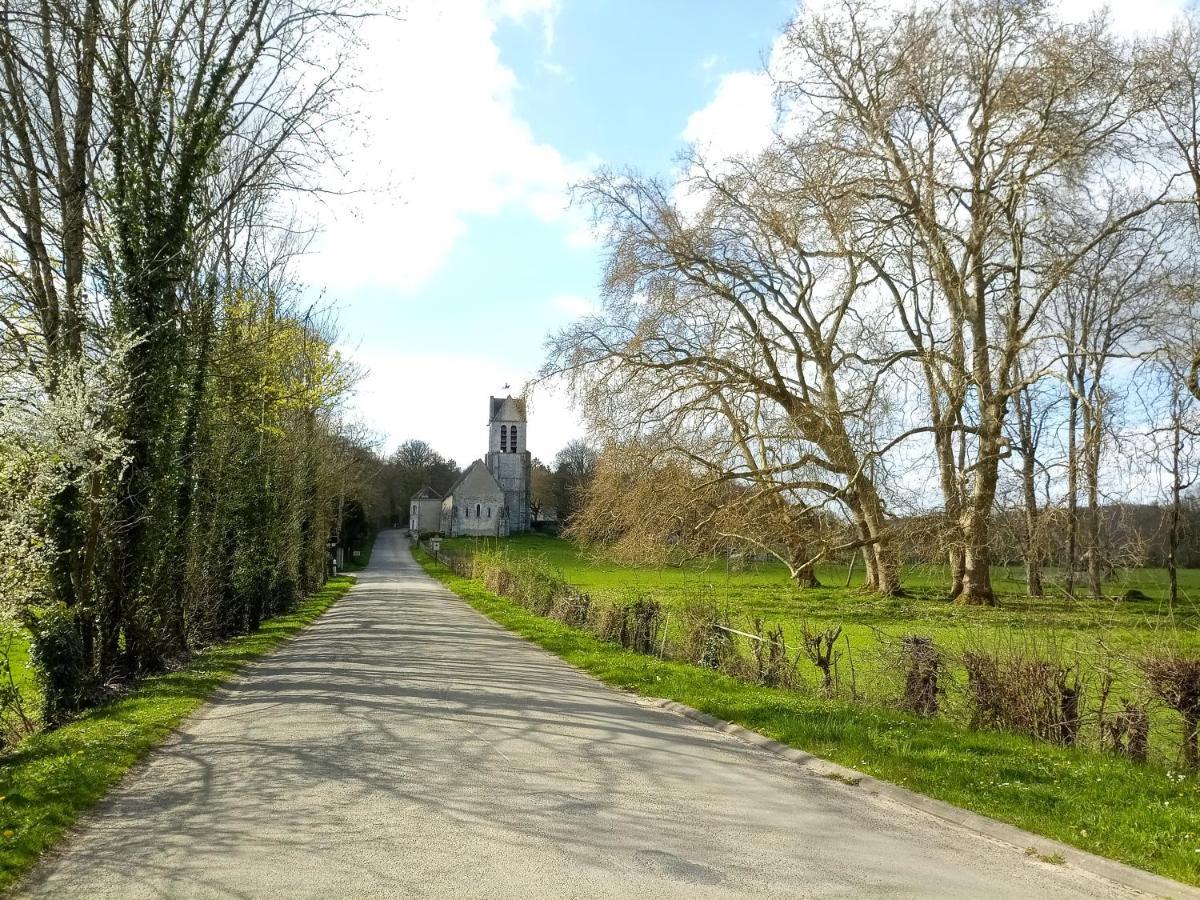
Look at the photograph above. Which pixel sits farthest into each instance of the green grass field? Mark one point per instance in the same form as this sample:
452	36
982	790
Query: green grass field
1093	635
1145	815
52	777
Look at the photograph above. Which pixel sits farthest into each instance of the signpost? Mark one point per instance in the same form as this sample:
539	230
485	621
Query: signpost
435	544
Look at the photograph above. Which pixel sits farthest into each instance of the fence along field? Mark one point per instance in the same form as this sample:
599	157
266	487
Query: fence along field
1117	675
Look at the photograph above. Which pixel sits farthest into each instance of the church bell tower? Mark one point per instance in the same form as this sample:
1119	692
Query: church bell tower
508	460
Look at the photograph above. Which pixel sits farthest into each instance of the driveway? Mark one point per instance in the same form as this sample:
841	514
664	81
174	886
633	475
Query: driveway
405	746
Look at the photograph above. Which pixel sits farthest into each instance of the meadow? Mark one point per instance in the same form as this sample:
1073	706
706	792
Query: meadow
1095	640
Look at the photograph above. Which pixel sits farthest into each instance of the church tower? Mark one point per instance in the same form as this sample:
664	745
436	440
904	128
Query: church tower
508	460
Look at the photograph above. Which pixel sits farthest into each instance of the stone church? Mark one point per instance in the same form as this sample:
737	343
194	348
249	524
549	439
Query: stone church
491	498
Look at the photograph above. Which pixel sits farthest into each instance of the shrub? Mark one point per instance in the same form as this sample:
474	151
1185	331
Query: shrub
60	661
608	621
1176	681
1018	690
572	608
922	666
1128	732
639	625
821	649
705	641
773	666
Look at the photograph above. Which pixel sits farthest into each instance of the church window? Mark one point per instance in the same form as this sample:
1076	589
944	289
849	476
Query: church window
477	510
489	515
503	438
513	439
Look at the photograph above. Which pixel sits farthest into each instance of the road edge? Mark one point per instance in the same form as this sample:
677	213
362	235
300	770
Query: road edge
1109	869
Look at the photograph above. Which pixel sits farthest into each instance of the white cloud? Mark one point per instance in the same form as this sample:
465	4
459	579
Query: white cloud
738	120
1129	17
573	305
546	10
438	141
442	398
741	116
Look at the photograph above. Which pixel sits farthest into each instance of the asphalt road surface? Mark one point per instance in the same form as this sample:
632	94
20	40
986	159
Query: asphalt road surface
405	746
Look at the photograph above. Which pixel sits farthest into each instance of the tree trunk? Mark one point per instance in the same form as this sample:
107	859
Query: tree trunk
1092	477
1072	487
977	574
805	577
1032	549
1173	531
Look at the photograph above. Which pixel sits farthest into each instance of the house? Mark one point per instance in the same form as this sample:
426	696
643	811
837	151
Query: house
425	512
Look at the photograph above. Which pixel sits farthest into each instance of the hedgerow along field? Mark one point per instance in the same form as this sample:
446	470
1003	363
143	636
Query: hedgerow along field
1093	637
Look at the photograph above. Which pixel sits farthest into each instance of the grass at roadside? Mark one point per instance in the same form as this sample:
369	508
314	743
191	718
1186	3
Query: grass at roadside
50	778
1096	639
364	557
1141	815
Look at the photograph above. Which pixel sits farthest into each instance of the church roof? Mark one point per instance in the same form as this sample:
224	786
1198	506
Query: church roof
476	480
427	493
507	409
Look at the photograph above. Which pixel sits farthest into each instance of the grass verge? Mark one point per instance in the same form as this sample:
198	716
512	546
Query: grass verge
1145	816
364	557
48	780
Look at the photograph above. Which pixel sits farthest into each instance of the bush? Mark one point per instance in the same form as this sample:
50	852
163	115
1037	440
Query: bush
705	642
922	666
1128	732
821	649
572	608
61	663
773	666
639	625
1176	681
1019	690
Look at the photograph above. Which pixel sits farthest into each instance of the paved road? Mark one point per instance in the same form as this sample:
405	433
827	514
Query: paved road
406	746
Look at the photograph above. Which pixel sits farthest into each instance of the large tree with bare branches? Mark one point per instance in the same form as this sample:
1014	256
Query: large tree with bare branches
959	128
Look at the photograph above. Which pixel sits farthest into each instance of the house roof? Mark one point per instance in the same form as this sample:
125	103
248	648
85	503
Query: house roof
476	480
506	409
426	493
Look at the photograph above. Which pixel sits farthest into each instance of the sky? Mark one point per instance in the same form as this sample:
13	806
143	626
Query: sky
450	249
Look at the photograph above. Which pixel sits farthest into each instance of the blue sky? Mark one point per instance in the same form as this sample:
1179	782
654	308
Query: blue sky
457	252
453	251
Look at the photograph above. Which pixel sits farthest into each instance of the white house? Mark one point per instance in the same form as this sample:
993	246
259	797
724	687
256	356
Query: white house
425	511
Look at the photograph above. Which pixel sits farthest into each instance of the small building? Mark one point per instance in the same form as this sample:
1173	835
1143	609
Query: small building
425	512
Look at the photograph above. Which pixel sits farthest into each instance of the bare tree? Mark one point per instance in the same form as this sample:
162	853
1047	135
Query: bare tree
1168	82
1102	312
746	340
958	127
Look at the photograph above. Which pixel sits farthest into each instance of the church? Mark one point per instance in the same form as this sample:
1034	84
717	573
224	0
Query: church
491	498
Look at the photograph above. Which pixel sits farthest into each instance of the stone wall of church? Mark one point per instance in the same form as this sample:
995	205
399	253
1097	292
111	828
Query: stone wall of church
514	429
513	472
474	516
